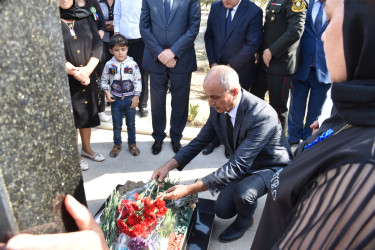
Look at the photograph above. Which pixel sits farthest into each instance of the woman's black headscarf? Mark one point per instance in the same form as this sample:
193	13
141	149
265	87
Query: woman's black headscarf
74	13
359	38
355	99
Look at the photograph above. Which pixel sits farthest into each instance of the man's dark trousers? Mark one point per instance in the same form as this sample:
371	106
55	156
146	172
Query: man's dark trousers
318	94
180	90
278	90
136	49
240	197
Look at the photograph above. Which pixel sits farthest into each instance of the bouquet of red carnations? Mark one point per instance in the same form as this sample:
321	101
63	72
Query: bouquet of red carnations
138	217
141	219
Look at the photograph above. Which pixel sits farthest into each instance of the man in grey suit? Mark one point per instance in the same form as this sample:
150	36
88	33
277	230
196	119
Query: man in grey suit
249	129
169	28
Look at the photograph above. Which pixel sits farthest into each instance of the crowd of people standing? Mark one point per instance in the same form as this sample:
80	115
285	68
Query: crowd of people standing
282	52
320	198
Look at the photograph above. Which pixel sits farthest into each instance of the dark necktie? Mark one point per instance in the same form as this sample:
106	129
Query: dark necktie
167	9
318	25
319	17
229	130
228	21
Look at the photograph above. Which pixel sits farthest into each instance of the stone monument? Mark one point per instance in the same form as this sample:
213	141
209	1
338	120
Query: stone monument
38	151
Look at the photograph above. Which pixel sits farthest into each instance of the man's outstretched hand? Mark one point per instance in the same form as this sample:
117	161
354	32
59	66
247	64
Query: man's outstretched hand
176	192
162	172
180	191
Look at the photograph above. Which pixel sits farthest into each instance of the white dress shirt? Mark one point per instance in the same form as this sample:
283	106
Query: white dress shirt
126	15
234	10
170	1
233	112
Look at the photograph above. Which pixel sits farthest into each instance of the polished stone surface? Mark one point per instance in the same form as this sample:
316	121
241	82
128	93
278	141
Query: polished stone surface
202	229
38	153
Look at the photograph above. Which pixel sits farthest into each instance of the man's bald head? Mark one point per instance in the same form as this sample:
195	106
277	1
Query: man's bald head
222	88
223	75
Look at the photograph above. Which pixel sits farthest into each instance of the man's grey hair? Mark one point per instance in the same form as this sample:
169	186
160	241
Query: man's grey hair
228	77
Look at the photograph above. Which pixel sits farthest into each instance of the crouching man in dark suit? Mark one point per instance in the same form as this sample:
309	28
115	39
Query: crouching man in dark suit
249	129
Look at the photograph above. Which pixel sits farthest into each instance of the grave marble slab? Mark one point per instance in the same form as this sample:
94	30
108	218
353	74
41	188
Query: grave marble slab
38	152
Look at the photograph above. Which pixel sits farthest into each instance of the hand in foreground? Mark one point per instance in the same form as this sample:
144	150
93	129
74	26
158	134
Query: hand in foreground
267	57
166	56
135	100
176	192
90	235
314	126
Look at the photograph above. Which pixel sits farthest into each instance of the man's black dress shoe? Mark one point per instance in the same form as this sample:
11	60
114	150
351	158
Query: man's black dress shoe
210	148
176	146
156	147
235	231
143	112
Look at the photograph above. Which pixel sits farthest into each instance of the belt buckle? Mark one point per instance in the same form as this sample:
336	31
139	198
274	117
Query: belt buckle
122	98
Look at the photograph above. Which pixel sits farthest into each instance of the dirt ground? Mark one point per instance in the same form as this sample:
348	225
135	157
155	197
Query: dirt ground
198	97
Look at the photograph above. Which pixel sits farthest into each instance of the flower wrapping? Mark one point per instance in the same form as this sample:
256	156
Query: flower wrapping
141	219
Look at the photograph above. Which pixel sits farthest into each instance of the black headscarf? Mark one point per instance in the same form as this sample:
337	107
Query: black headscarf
354	99
74	13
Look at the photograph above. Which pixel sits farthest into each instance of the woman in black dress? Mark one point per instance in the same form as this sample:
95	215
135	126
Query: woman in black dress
97	15
83	48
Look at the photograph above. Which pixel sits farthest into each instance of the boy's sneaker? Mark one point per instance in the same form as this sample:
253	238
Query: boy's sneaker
134	150
103	117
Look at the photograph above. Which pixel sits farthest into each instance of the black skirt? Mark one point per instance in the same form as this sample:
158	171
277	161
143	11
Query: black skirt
84	103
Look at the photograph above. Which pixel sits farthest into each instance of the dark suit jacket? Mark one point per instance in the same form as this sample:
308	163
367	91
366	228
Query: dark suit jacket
310	41
258	139
178	34
282	31
241	43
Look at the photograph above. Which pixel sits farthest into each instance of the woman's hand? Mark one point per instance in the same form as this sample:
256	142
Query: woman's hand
109	26
101	34
70	68
82	75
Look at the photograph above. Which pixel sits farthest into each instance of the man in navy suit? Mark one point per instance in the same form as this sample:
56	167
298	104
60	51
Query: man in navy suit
250	130
236	43
169	28
312	75
233	36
